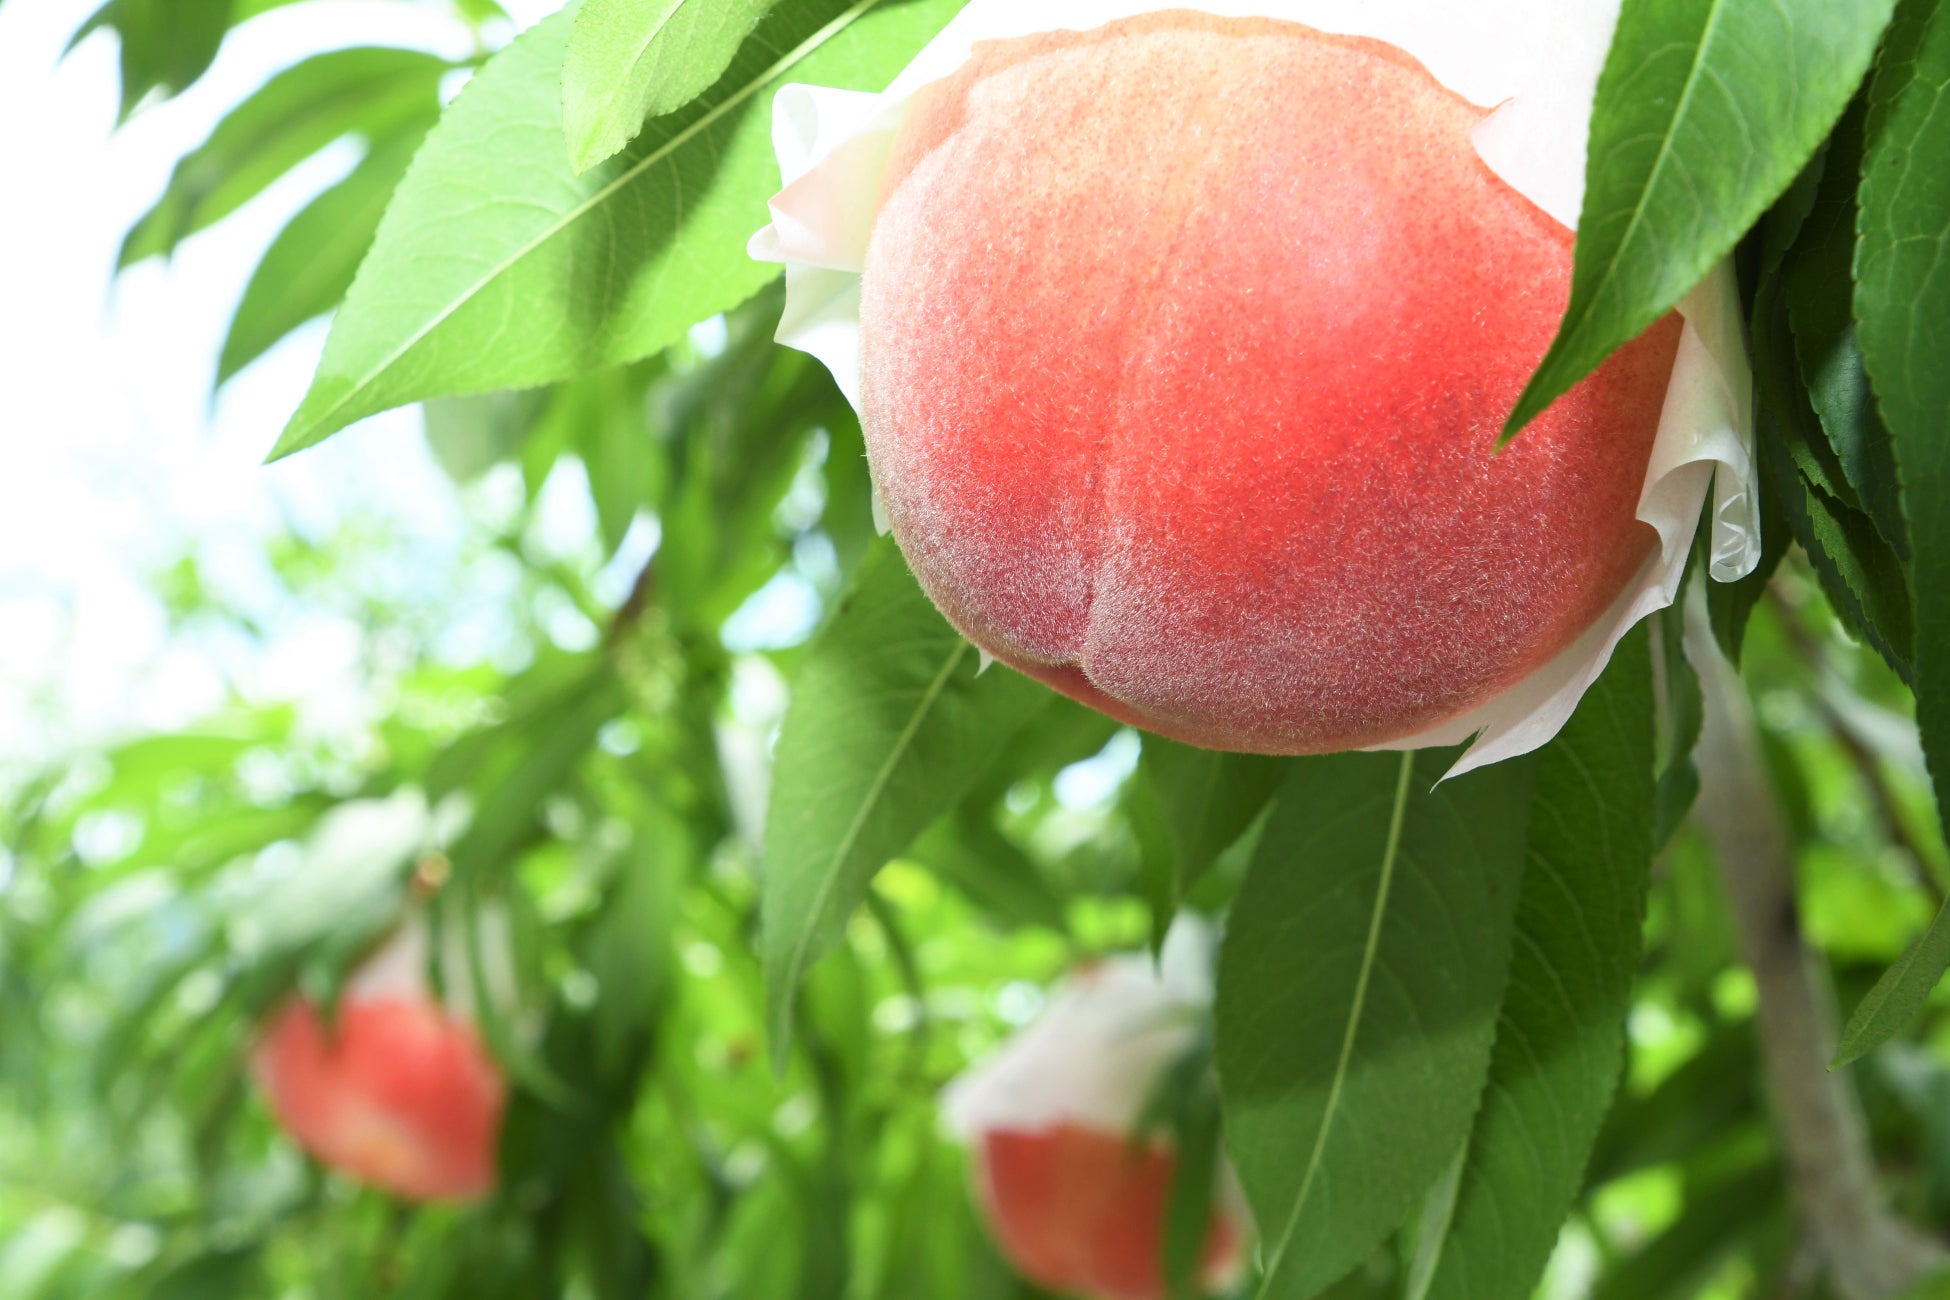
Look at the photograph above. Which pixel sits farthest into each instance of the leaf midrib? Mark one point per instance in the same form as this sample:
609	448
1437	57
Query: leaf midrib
576	213
1632	223
1389	855
829	877
1574	324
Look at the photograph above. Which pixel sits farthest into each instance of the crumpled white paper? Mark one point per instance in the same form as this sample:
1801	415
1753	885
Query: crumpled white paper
1538	62
1100	1046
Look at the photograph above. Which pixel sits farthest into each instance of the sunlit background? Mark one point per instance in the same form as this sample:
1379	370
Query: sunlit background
125	467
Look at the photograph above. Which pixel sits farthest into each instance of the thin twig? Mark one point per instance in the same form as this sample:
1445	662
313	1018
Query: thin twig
1868	1252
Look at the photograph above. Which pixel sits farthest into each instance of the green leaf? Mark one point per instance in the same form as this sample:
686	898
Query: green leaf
736	428
1561	1036
1902	306
1934	1287
632	60
1782	225
1898	997
966	850
372	91
1358	993
608	417
1188	1211
1681	711
890	724
1820	293
468	435
491	226
1157	859
212	1276
1860	574
478	13
1705	111
539	752
1208	799
1859	571
166	44
310	265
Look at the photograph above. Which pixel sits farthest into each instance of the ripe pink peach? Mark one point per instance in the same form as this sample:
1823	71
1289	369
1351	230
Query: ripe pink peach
1083	1211
1186	344
398	1093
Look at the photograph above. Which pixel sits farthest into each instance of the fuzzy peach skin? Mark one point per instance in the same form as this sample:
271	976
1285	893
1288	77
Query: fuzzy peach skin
399	1093
1083	1211
1199	425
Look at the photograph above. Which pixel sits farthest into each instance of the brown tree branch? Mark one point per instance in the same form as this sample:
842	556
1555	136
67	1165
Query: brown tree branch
1869	1253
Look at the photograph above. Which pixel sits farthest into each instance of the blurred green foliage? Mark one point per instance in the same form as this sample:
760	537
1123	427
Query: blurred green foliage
592	721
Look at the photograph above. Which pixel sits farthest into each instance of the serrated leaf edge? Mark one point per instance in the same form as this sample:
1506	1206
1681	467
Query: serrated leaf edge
1858	1036
579	157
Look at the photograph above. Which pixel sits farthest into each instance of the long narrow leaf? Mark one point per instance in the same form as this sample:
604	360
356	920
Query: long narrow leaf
166	44
369	91
310	265
1898	997
1706	110
1207	799
498	267
1858	568
1902	304
1820	292
1560	1040
632	60
890	725
1358	995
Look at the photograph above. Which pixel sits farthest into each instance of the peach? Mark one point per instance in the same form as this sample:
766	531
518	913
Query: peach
1080	1210
399	1093
1185	346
